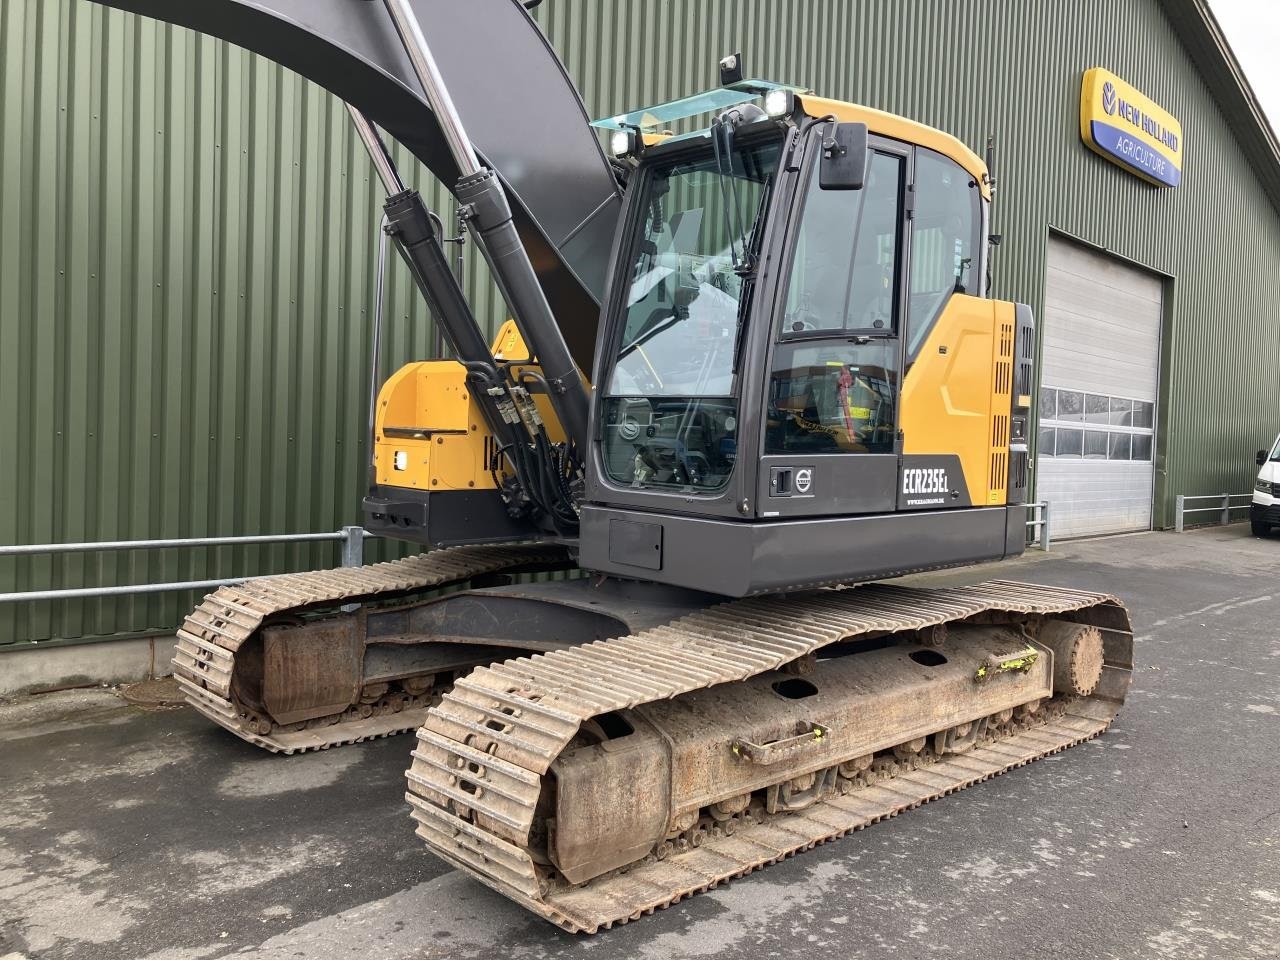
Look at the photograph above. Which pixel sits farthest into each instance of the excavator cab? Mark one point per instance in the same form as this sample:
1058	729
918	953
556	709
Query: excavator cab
797	357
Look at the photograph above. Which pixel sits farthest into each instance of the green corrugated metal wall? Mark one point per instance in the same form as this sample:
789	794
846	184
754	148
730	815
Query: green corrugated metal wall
186	252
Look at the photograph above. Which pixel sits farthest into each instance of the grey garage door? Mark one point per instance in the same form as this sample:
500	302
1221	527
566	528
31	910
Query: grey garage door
1099	374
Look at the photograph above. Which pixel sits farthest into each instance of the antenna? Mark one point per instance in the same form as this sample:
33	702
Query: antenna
993	239
991	164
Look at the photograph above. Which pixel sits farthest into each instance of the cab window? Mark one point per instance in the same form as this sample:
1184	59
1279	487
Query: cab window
844	275
944	229
833	396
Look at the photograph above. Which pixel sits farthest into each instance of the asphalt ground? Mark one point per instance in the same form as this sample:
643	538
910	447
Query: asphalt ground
132	833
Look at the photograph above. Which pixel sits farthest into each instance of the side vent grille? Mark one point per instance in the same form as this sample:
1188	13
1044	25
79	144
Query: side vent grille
1026	360
999	431
1004	361
999	470
1001	406
1020	404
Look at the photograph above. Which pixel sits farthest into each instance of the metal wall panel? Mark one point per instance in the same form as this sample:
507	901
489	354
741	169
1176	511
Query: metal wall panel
186	251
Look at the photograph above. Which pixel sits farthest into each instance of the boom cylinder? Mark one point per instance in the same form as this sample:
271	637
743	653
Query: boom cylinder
488	215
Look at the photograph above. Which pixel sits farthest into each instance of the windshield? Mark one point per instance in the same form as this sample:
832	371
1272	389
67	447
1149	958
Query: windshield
1275	451
682	306
670	415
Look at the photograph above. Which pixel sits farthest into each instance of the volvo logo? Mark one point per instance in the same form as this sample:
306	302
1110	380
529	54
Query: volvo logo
1109	97
804	479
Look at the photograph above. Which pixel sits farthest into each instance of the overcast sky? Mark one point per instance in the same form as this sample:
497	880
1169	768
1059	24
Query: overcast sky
1253	30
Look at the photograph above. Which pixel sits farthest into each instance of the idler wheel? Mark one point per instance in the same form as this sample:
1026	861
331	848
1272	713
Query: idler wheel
1077	656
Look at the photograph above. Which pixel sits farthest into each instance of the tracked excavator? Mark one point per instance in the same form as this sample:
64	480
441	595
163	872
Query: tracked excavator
752	368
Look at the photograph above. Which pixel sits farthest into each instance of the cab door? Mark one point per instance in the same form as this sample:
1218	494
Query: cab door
831	402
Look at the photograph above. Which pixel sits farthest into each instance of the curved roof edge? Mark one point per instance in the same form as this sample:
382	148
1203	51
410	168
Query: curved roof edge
901	128
1198	29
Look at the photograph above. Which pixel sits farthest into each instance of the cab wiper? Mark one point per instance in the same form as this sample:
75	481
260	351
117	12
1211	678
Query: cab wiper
649	334
747	293
722	131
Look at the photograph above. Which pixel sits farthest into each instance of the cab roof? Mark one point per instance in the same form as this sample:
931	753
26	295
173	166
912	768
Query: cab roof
900	128
650	121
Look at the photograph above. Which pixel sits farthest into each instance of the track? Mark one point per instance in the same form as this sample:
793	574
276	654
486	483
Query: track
478	771
205	663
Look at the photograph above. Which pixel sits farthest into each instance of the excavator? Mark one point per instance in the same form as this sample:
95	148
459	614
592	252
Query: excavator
752	370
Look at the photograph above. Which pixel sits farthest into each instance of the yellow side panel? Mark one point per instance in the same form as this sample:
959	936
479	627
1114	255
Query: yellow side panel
956	396
429	433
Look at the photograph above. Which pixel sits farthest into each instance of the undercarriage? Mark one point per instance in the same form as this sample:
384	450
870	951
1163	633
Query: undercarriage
597	750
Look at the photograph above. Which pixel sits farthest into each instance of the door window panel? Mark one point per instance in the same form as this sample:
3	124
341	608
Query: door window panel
833	396
1046	445
1048	403
944	237
1095	408
1070	442
844	275
1070	405
1095	445
1120	446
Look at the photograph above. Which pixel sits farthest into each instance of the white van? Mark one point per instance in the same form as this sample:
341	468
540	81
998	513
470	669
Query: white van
1264	512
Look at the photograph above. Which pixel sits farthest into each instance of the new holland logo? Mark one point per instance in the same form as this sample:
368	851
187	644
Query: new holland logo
1109	97
1129	128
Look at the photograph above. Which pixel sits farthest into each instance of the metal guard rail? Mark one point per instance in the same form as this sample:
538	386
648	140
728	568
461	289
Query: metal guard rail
352	539
1223	507
1038	520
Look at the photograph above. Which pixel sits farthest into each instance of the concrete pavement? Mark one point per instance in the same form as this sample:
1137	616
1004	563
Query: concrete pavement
126	833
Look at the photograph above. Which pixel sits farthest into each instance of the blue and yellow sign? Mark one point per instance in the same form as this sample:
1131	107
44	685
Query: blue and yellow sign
1130	129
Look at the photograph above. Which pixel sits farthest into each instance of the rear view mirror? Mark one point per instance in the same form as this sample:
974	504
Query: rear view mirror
1262	457
844	157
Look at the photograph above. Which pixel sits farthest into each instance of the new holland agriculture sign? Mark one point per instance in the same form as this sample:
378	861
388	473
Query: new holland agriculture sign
1129	129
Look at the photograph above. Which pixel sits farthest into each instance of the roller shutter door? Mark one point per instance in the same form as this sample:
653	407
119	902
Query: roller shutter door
1097	405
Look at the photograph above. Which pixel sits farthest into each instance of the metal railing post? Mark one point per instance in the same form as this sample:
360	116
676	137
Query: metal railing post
1045	538
1226	509
353	546
1179	508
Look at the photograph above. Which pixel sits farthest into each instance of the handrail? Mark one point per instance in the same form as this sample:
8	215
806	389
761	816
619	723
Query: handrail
1223	507
351	537
1039	520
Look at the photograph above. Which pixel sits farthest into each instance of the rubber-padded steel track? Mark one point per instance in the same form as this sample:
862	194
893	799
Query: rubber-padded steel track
213	632
477	771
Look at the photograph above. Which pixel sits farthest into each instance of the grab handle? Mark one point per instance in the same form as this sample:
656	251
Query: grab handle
809	736
1019	661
